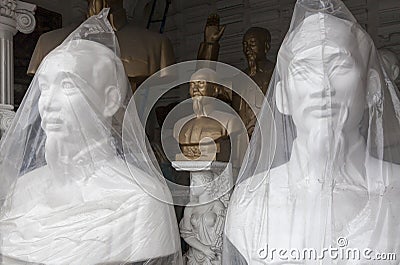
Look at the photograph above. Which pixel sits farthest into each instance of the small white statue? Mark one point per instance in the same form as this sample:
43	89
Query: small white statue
203	222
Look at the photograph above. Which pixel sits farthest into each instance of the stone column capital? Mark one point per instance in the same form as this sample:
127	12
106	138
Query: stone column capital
25	18
16	16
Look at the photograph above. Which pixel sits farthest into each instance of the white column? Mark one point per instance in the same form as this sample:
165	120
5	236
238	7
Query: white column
14	16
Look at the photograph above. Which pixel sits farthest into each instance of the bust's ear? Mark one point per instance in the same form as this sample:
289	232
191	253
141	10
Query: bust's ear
112	101
395	71
267	47
216	90
281	99
374	81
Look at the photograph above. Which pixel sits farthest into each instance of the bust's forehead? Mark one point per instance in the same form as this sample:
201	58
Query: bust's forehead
319	31
251	35
204	75
91	63
322	29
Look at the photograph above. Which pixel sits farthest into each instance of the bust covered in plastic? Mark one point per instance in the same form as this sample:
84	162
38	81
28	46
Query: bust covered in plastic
332	180
67	195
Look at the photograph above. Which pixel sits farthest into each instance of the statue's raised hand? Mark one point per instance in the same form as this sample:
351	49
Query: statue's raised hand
213	30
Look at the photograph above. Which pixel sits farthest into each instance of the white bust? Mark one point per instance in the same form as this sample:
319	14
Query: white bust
83	207
331	186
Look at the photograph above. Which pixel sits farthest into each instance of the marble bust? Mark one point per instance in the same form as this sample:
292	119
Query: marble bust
333	184
82	206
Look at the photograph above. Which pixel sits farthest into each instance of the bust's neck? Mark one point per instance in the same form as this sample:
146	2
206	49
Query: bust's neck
261	63
82	164
203	106
345	150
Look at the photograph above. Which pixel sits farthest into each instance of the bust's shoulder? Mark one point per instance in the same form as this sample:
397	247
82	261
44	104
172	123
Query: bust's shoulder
34	177
389	171
28	190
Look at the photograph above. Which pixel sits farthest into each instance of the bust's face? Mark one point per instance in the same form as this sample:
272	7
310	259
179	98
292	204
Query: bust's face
201	88
70	101
326	86
253	47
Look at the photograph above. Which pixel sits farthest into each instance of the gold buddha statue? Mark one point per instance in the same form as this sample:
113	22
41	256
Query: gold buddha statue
143	52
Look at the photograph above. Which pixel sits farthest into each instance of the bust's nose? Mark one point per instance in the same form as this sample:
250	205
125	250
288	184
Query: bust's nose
326	90
52	102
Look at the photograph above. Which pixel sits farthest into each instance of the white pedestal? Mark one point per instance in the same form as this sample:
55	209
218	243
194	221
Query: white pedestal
199	167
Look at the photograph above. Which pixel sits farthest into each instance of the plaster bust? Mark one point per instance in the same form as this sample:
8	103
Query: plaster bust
83	206
332	186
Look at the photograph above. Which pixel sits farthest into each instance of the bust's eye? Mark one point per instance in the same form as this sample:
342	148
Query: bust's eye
43	88
68	86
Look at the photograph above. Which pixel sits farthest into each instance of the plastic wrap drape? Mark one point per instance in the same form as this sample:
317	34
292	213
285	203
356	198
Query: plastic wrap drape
332	178
67	195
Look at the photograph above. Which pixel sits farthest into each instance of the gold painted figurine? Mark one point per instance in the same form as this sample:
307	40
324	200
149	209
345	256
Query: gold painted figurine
143	52
256	45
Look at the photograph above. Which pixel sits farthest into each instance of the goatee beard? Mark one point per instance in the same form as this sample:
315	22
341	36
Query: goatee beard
198	106
252	65
325	153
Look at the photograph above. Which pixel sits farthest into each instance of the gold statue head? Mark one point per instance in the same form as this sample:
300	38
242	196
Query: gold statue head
256	43
95	6
202	84
117	16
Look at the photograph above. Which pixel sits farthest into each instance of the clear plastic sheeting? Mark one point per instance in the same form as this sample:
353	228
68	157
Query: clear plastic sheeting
67	195
334	180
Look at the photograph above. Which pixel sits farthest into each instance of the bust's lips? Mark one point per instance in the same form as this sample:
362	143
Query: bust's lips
52	124
324	110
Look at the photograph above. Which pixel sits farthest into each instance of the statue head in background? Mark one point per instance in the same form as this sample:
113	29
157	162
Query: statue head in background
256	44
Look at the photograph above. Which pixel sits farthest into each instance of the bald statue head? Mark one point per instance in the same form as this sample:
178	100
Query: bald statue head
256	44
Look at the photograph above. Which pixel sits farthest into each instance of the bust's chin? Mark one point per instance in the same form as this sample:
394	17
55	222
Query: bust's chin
57	152
198	106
